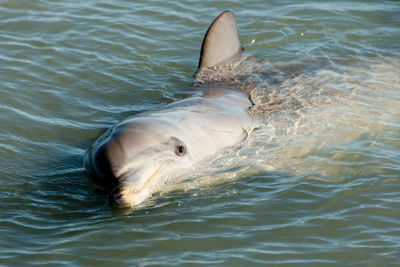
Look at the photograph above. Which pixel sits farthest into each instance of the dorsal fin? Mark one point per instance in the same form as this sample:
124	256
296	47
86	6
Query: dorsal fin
221	41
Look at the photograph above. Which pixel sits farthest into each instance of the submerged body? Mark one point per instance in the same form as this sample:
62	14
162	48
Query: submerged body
136	153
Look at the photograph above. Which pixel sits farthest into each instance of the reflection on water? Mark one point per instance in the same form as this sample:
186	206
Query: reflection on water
316	183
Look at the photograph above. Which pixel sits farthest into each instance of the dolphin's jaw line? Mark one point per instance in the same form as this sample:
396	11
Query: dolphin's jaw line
129	195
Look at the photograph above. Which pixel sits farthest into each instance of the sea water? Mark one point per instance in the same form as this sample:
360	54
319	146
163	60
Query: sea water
316	184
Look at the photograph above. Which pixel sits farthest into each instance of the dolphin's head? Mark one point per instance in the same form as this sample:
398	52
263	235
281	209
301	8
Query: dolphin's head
134	154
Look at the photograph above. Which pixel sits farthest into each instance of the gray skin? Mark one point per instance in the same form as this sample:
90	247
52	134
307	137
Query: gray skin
135	154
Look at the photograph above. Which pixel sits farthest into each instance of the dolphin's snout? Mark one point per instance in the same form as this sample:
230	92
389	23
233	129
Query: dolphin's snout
118	197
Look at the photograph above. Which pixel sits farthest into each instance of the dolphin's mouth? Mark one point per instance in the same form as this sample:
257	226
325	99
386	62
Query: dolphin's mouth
122	196
128	195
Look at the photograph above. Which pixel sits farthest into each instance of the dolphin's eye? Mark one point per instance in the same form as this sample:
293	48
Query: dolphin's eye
180	150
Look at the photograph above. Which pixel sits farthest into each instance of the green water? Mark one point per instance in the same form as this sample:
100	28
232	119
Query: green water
317	185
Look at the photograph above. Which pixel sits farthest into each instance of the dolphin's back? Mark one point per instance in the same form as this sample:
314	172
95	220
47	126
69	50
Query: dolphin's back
221	42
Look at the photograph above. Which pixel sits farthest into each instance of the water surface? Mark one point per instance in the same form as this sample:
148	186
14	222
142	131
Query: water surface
318	184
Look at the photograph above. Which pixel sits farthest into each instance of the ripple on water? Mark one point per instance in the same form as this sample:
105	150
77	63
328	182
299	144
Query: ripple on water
317	185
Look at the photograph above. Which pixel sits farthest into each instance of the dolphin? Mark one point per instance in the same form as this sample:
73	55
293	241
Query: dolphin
140	151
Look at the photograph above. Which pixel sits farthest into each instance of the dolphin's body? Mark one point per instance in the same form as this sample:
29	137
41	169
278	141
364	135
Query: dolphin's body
136	153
